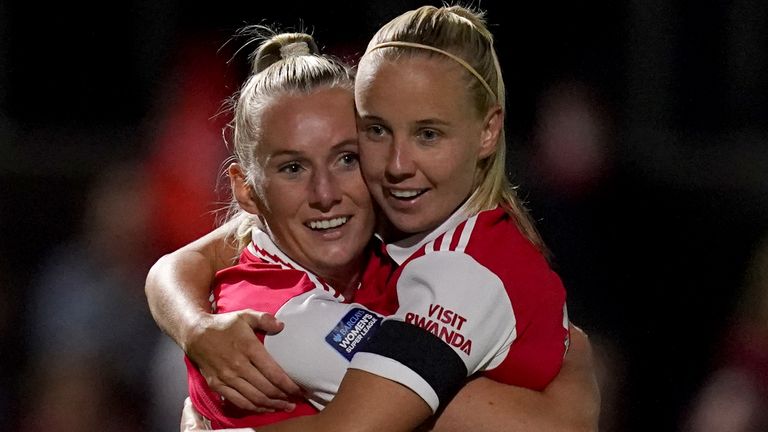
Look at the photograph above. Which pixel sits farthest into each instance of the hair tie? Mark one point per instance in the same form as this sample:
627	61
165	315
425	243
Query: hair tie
466	65
294	49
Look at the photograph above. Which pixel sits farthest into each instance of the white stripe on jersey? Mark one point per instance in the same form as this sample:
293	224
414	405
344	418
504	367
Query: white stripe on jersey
263	247
446	239
466	233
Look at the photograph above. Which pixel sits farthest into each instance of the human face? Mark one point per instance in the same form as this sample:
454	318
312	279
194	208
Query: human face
420	138
312	197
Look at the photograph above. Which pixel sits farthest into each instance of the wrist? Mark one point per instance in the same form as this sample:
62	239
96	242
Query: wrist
195	325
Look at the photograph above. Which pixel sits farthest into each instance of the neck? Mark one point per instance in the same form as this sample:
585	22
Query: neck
345	279
390	234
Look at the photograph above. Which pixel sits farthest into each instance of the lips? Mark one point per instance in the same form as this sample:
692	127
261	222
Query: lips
326	224
406	194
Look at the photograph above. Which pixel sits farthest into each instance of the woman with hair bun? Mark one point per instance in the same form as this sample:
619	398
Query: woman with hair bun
458	314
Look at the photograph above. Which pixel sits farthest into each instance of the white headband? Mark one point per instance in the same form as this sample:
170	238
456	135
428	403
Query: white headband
466	65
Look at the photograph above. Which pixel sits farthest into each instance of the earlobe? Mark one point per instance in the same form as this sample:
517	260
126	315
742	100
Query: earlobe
241	190
493	124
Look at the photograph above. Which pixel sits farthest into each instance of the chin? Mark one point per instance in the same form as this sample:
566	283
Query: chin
331	260
408	228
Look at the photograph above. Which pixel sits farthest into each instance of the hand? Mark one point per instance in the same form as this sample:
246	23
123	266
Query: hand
235	363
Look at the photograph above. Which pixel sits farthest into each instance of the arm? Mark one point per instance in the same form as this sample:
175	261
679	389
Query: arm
223	346
570	403
178	284
480	332
366	402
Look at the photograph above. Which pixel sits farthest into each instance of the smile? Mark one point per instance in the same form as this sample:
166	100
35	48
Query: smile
406	194
326	224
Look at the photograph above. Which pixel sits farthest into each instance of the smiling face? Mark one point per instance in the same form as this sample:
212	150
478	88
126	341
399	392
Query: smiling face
420	138
311	197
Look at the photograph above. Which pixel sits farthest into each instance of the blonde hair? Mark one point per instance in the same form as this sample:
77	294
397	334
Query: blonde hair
283	64
460	32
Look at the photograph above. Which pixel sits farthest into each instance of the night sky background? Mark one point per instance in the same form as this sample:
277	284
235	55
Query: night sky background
652	238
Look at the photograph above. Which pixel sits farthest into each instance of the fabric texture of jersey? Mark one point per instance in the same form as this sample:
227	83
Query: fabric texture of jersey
322	332
478	285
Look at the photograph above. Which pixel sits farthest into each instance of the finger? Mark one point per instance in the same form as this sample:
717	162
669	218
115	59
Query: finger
262	321
280	384
262	394
235	398
246	377
247	384
257	398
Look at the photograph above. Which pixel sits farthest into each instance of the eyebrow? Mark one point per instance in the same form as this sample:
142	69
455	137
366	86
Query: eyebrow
346	142
295	153
284	153
432	121
423	122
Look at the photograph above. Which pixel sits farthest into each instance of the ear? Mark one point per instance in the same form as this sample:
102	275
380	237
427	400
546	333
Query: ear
492	126
241	190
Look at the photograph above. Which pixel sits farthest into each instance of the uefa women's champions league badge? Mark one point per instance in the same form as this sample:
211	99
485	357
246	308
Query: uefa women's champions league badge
353	331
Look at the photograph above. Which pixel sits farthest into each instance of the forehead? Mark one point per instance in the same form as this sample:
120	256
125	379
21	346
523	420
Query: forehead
323	117
416	81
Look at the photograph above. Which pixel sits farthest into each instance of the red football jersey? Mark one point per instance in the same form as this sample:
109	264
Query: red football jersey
480	287
322	330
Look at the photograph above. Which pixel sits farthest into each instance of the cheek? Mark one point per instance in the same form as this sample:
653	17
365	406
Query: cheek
454	168
371	165
283	200
358	190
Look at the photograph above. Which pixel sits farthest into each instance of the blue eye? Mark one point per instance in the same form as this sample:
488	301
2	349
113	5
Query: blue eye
349	159
375	132
429	135
291	168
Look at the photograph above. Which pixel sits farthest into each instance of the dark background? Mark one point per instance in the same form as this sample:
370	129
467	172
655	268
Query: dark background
653	246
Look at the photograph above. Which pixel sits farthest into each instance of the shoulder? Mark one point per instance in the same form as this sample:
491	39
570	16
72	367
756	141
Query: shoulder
256	284
491	243
492	239
497	243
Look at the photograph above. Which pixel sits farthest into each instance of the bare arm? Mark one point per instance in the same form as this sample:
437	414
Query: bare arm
223	346
178	284
366	402
571	402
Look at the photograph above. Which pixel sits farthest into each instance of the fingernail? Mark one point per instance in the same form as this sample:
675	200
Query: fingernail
290	407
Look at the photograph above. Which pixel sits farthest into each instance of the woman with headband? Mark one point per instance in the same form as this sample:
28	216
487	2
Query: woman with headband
475	292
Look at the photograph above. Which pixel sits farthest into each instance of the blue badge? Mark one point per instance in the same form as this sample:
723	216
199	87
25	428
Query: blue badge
353	331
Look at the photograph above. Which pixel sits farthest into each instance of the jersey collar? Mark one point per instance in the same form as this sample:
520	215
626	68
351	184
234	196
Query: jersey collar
263	247
400	250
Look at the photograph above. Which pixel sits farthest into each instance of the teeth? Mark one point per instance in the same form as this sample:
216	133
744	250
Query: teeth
328	223
404	194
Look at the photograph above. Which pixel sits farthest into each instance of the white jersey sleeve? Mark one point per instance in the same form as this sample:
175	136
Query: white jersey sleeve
454	319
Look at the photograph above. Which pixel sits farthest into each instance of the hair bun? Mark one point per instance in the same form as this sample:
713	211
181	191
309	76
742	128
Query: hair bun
298	48
281	47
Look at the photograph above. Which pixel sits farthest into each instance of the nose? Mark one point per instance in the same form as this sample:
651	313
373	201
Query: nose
400	164
324	191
